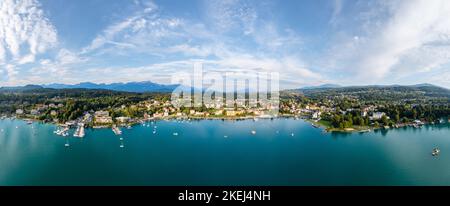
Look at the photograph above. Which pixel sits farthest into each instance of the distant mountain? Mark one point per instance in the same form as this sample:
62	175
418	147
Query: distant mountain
20	88
140	87
323	86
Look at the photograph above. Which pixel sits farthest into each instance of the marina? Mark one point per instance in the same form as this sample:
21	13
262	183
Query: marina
79	132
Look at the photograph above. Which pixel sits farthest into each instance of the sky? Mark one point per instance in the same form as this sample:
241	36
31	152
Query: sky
346	42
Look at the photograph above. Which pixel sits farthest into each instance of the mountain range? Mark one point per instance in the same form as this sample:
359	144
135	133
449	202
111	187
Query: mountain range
147	86
139	87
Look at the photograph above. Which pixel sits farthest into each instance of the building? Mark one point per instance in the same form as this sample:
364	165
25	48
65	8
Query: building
234	113
363	113
123	119
316	115
34	112
19	111
218	112
378	115
102	117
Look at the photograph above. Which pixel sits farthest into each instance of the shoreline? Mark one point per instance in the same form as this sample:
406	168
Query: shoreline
314	123
364	129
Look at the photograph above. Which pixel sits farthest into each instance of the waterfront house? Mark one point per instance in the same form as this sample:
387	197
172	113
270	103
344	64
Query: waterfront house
123	119
219	112
102	117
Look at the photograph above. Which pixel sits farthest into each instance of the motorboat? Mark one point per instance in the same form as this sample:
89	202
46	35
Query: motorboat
435	152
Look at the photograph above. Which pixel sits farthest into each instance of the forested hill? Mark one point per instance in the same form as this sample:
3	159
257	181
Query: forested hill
392	92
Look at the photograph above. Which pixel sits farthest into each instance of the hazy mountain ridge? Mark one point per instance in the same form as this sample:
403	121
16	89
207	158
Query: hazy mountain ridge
326	89
139	87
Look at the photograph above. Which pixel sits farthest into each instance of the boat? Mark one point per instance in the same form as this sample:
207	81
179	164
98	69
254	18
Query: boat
225	136
67	145
121	139
121	146
29	122
364	131
253	132
62	132
175	134
435	152
154	131
292	134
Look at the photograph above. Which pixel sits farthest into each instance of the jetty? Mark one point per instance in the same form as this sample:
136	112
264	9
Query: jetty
80	131
116	130
62	132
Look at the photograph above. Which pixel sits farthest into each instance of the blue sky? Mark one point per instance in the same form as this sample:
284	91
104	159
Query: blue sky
308	42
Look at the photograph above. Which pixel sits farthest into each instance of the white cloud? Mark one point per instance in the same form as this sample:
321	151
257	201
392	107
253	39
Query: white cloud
173	42
24	30
414	37
229	15
24	33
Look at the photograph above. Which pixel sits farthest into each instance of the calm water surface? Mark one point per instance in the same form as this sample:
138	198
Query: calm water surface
202	155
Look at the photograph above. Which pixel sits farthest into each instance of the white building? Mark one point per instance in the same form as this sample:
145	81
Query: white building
316	115
123	119
378	115
19	111
34	112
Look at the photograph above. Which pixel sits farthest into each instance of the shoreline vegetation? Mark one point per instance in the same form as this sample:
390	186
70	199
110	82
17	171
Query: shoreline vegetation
348	109
324	125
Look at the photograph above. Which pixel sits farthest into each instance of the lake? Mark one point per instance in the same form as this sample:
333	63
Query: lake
215	152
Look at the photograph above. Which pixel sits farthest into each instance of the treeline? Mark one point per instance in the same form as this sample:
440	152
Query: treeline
394	114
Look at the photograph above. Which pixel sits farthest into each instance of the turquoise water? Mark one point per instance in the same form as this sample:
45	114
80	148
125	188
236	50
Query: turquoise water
201	155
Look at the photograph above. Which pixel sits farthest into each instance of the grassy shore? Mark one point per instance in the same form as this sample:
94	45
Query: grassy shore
327	126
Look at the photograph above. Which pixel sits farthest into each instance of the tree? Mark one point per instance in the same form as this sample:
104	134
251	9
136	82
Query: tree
384	120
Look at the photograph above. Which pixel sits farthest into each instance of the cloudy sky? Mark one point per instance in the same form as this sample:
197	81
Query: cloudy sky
308	42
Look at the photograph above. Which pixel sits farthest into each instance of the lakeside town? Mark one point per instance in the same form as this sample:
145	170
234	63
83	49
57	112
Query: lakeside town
343	114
